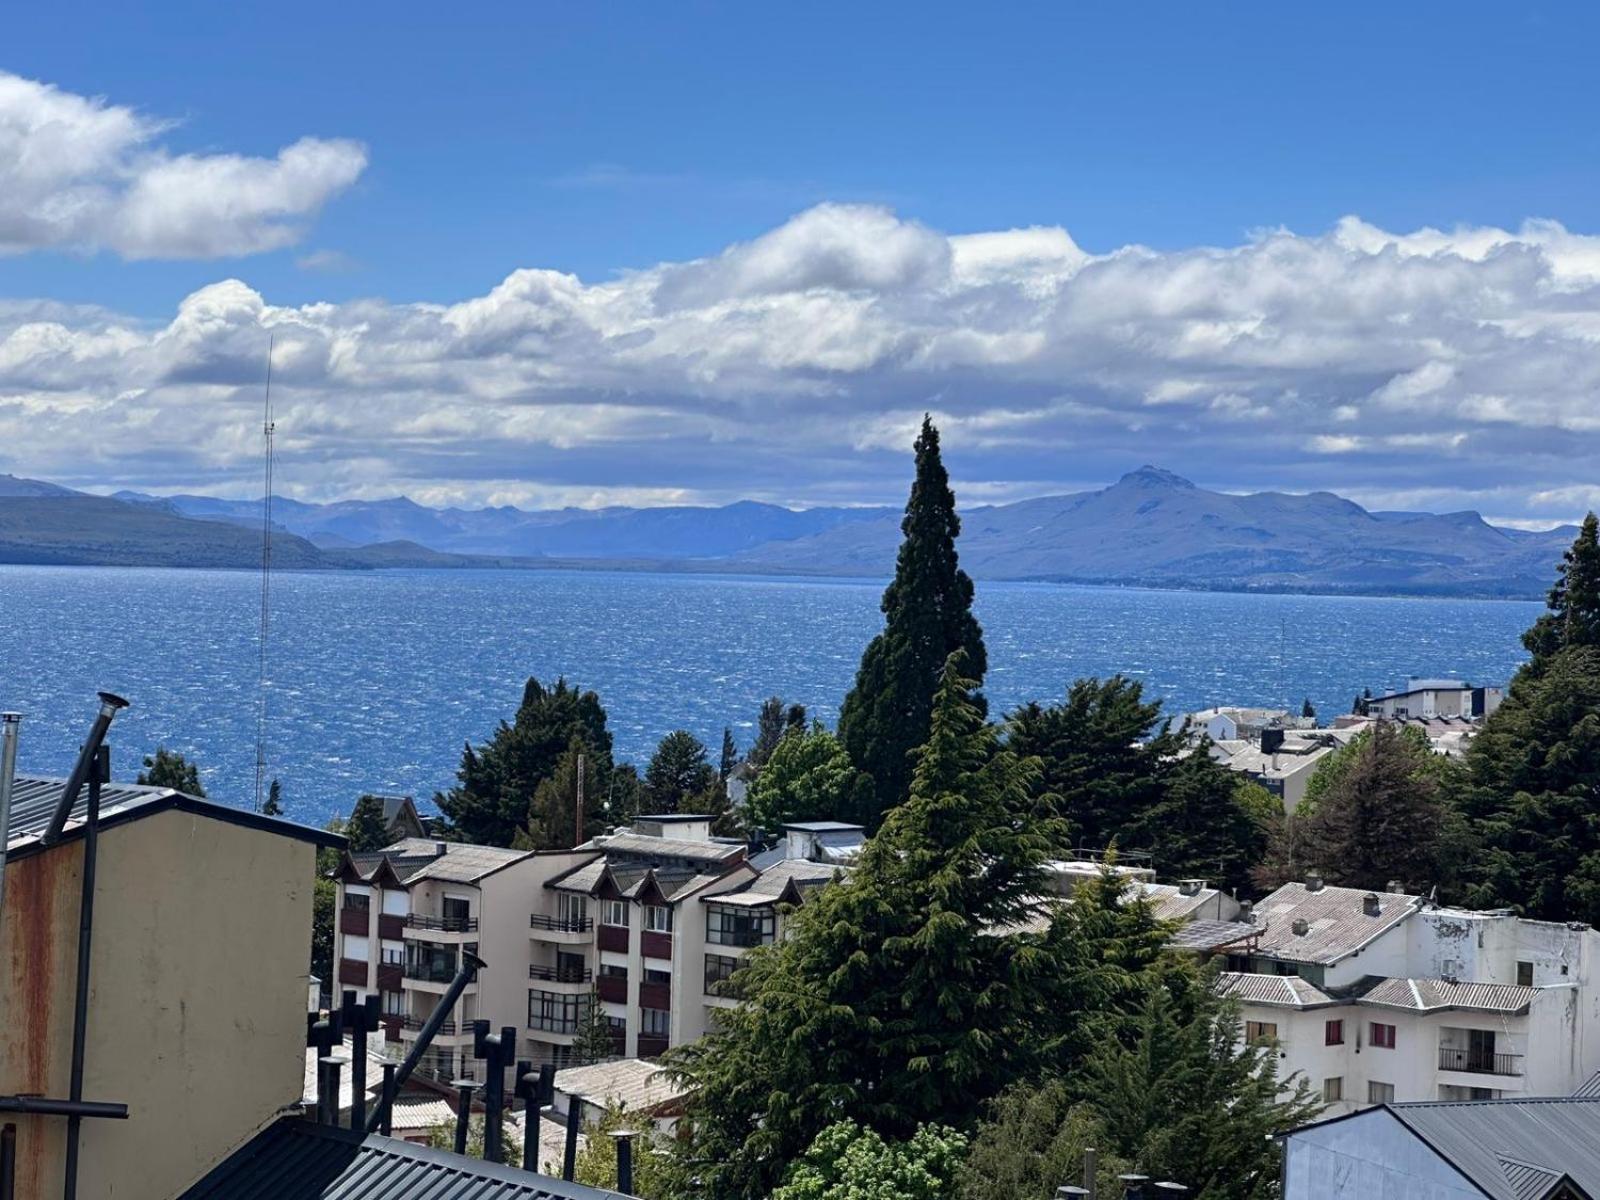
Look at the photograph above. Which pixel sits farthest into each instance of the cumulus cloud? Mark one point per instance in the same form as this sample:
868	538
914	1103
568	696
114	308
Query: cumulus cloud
1464	365
81	174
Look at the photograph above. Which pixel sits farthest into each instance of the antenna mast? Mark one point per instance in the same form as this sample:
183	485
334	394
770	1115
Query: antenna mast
266	590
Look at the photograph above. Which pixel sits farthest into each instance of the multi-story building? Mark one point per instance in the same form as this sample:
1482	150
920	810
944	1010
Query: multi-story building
648	922
1381	996
1426	698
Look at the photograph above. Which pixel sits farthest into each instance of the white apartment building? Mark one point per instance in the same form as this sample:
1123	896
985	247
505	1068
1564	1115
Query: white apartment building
1426	698
1381	996
647	921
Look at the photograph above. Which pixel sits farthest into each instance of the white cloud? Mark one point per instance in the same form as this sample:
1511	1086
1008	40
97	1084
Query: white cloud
795	366
77	173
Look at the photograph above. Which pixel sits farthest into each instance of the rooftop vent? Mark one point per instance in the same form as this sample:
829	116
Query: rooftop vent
1369	904
1300	927
1190	887
1313	881
1394	887
1247	911
441	848
1271	741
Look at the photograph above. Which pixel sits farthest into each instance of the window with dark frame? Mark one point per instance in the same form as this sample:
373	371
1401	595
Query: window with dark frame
1333	1033
655	1022
727	925
719	969
1381	1035
658	918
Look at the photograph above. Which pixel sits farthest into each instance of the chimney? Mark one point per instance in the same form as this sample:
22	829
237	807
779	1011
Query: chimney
1394	887
1190	887
440	849
1300	927
1271	741
1313	881
1370	905
1247	911
10	727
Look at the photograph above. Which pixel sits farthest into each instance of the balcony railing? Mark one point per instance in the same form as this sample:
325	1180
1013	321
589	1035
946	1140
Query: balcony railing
416	1023
560	974
443	924
430	972
560	924
552	1024
1479	1063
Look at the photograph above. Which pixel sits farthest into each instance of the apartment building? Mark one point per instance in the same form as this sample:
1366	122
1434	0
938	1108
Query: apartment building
648	922
1426	698
1382	996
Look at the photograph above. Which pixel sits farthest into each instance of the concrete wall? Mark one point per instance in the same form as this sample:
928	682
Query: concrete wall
202	934
1371	1156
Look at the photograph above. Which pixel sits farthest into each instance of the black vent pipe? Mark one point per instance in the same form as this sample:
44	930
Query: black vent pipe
110	705
471	964
361	1019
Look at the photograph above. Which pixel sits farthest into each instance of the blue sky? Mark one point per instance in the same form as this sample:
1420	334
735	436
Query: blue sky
606	141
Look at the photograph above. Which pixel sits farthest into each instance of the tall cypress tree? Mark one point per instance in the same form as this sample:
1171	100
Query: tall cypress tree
1573	618
927	617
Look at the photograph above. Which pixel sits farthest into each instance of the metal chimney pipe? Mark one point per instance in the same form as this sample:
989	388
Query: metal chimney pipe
8	1163
471	964
463	1111
1070	1191
1133	1186
386	1101
361	1019
569	1159
330	1091
525	1089
110	705
98	769
10	727
1091	1162
624	1139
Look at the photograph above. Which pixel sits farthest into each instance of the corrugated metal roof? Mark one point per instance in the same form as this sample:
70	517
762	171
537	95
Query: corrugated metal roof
1432	995
34	800
1589	1087
1210	935
1337	923
1278	991
1503	1145
636	1085
462	863
298	1160
644	846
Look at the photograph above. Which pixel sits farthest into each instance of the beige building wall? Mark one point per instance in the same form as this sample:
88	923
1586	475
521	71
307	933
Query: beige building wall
197	1008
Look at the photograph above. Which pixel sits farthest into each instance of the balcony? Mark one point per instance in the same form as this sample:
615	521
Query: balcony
431	970
655	995
1477	1062
354	920
442	924
565	931
613	988
656	945
560	974
414	1024
613	938
352	972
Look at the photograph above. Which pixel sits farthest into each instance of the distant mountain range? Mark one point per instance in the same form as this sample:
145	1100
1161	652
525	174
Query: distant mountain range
1150	528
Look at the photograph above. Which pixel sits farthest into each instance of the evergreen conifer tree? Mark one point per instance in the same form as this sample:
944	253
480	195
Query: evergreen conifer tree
553	814
496	781
1200	824
1573	618
273	805
927	617
169	769
594	1042
794	719
730	755
679	777
367	830
769	731
1308	712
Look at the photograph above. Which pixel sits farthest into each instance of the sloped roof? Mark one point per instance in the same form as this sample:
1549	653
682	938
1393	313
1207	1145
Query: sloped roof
1337	923
636	1085
34	800
642	845
1513	1149
1170	902
1436	995
1210	935
294	1159
787	879
463	863
1278	991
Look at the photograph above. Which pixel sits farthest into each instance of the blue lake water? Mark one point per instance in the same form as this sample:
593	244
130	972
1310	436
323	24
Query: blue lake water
379	677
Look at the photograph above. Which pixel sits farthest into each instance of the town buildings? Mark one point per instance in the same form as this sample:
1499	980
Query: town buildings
1384	996
1424	698
647	922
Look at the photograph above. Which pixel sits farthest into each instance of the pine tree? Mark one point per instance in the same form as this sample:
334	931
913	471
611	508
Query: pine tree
594	1042
1573	618
273	805
927	617
794	719
893	1002
679	776
367	829
496	781
1098	756
769	731
1307	711
553	814
1201	825
169	769
730	755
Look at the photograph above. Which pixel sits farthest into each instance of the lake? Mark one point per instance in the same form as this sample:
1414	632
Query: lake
378	678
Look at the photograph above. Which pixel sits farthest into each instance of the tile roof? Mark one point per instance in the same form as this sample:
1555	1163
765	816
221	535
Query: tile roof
1436	995
636	1085
1210	935
1337	923
34	800
464	863
769	886
293	1159
1278	991
640	845
1513	1149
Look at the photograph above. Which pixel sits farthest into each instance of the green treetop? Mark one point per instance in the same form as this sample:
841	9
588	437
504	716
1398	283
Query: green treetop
927	616
552	822
273	805
367	829
679	776
169	769
808	778
1573	618
729	758
594	1042
847	1162
497	781
1205	821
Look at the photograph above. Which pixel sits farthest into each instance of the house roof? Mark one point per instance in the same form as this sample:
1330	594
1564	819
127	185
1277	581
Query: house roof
417	859
1210	935
294	1159
1508	1149
1170	902
1337	924
634	1084
1277	991
1438	995
34	800
786	881
642	845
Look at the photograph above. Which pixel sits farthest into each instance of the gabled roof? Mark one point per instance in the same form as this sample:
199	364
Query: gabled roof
639	1086
1210	935
1439	995
785	882
34	800
1276	991
641	845
294	1159
1337	924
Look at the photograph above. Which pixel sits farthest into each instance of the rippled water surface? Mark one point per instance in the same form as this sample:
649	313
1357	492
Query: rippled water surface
379	677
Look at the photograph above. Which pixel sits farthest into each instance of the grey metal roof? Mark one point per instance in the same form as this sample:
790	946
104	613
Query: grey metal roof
34	800
1337	923
294	1159
640	845
1210	935
462	863
1513	1149
1435	995
1277	991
